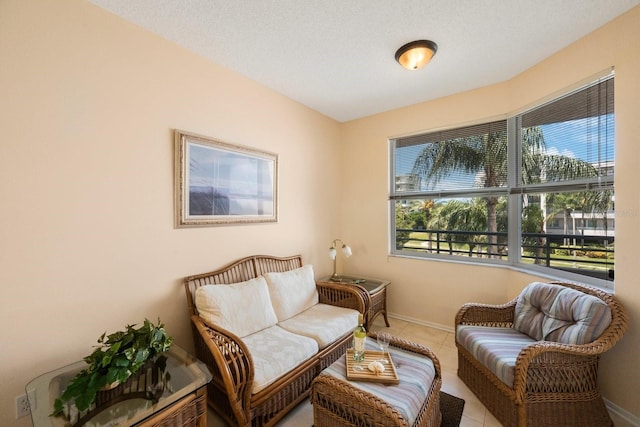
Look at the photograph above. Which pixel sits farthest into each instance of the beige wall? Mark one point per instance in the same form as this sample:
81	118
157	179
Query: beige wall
87	244
431	291
87	107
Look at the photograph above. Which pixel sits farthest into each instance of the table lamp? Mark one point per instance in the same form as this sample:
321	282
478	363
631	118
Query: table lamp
346	250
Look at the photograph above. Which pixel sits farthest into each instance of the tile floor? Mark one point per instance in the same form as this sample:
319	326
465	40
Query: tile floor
442	343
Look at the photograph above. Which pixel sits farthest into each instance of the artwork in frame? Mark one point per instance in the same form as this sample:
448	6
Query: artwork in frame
219	183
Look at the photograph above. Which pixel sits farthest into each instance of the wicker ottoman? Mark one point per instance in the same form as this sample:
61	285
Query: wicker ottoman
415	401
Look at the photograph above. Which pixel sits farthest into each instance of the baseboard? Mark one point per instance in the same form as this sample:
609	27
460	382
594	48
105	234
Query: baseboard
621	417
422	322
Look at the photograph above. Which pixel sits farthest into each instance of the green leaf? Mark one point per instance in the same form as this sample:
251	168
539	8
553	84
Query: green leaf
116	346
106	360
58	407
141	355
112	376
121	361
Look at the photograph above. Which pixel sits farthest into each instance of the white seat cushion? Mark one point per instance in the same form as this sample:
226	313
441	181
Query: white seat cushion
292	292
322	322
242	308
275	352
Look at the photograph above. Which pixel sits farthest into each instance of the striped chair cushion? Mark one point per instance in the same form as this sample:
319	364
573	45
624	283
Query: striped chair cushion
495	348
556	313
415	372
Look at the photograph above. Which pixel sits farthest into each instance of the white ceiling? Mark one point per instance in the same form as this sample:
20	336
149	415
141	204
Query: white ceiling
337	56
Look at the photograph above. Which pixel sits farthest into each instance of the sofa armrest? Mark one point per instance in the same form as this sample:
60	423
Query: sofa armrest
486	314
344	295
229	361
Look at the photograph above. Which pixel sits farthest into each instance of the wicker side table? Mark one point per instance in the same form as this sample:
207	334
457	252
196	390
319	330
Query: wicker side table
376	289
338	401
183	402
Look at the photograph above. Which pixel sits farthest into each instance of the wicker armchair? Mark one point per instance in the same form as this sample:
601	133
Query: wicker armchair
554	384
230	391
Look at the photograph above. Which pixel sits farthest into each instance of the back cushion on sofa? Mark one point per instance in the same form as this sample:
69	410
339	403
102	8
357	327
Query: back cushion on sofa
556	313
292	292
242	308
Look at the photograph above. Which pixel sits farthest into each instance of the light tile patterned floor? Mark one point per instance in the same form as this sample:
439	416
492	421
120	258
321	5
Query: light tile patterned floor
442	343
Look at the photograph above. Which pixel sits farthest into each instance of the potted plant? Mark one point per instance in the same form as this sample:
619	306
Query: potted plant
117	357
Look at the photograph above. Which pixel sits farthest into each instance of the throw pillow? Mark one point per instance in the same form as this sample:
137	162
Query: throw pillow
292	292
556	313
242	308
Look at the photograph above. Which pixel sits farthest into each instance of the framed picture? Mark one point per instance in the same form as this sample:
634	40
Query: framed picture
219	183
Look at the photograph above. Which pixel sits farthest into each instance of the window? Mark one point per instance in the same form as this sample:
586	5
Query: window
534	190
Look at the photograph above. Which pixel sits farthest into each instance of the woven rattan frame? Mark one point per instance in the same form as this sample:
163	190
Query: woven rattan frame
554	384
190	411
337	403
230	363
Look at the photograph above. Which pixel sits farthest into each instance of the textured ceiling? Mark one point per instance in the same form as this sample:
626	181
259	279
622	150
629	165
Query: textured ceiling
337	56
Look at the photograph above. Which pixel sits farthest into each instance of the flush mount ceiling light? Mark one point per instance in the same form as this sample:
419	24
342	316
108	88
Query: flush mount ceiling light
416	54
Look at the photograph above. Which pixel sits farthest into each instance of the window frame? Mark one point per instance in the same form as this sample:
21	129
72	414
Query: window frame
514	191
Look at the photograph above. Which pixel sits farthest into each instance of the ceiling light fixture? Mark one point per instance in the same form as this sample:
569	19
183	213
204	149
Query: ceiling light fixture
416	54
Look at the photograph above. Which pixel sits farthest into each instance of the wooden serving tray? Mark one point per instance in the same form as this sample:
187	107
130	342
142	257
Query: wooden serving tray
389	376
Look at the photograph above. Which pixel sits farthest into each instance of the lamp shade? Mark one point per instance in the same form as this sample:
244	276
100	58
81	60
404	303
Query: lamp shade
416	54
346	250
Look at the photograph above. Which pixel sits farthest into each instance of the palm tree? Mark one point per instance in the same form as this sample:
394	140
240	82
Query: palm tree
466	216
566	204
532	223
485	156
438	221
540	166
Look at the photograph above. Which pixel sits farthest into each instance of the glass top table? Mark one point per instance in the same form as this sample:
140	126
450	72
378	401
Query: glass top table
377	290
372	286
137	400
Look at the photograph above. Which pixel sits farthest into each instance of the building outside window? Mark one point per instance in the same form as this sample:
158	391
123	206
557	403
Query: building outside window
535	190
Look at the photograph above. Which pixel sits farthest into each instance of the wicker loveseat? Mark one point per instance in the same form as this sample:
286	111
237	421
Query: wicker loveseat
534	360
267	334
